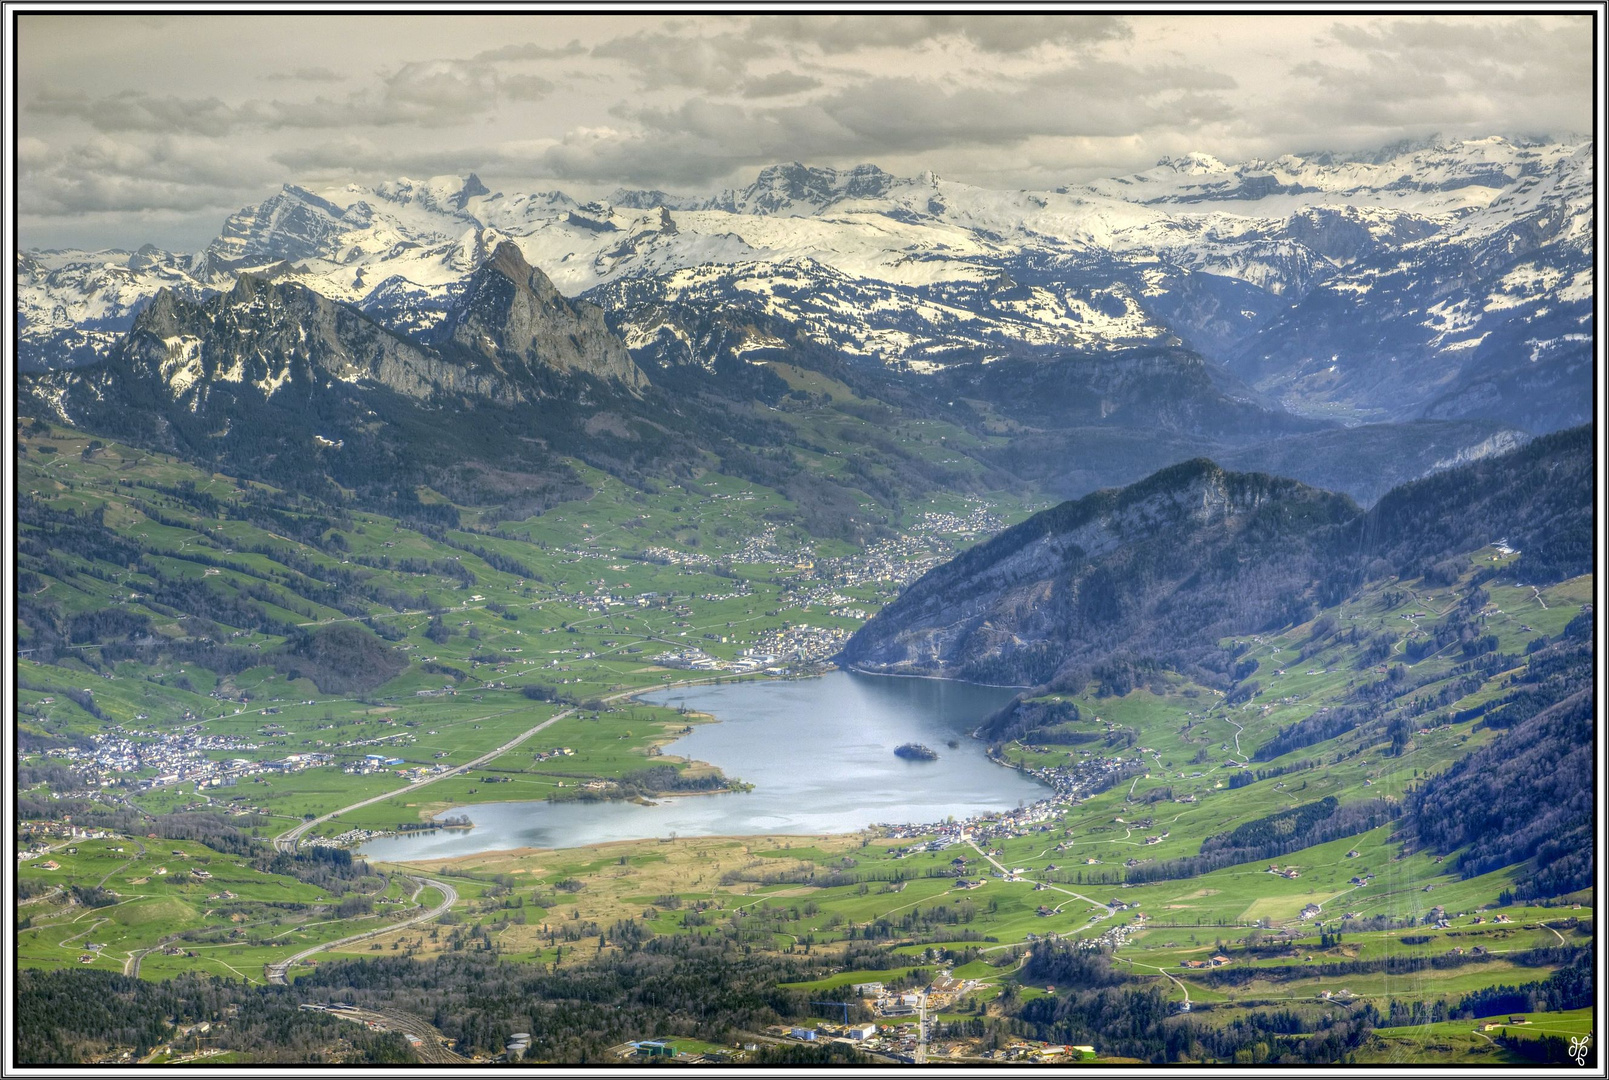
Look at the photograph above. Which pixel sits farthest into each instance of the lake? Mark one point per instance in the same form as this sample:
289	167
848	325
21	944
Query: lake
819	752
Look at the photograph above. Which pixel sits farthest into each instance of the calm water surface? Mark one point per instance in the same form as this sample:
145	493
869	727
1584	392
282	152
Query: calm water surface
819	752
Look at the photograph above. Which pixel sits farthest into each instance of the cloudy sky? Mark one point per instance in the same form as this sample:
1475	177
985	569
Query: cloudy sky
137	128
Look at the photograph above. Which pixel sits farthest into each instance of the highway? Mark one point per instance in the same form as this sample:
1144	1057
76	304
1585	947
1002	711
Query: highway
287	841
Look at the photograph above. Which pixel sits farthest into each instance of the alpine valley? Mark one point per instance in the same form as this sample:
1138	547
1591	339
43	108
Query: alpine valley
395	501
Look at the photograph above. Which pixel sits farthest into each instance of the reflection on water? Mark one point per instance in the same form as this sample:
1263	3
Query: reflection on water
819	752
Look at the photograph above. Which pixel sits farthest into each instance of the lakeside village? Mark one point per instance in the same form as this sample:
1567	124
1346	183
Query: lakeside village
176	757
1069	784
182	757
165	759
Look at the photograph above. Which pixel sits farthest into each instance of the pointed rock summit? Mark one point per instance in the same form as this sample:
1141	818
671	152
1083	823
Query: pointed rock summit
512	316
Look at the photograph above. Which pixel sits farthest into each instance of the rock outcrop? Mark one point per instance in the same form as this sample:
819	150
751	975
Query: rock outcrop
514	319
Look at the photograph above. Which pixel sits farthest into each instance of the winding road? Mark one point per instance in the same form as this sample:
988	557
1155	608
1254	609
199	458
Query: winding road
276	972
1046	884
1180	982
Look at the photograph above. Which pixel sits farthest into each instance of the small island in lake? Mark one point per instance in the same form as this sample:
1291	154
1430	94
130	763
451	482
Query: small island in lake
915	752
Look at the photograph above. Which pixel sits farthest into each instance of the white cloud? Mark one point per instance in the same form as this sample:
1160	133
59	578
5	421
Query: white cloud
779	84
993	33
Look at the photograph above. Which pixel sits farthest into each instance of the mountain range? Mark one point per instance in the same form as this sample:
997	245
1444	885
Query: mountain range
1438	280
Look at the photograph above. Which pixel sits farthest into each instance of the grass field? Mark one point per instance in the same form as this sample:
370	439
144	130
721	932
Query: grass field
210	582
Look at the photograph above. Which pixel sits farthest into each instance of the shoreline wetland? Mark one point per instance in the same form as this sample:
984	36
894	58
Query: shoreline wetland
818	753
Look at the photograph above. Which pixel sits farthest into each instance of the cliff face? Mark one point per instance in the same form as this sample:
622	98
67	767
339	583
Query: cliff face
513	319
511	338
264	338
272	379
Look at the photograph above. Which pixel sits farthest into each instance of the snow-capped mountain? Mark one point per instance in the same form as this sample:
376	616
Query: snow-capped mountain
270	367
1437	279
73	307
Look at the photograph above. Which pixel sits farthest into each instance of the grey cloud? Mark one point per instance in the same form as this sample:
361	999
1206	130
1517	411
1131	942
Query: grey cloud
430	93
912	114
642	161
779	84
435	87
1448	43
304	74
524	87
105	174
354	157
717	62
1522	52
1414	75
1108	78
700	141
135	111
530	51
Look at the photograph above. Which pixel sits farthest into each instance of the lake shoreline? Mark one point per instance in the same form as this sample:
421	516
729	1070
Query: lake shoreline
816	753
936	678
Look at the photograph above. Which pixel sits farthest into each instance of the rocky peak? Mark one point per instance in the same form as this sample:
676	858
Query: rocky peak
448	194
150	256
238	349
637	199
472	187
1194	164
800	190
512	316
159	316
294	224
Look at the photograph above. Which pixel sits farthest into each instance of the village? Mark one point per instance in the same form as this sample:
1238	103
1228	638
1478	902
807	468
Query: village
118	755
892	1036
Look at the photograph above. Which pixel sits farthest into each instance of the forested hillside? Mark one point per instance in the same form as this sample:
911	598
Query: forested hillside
1158	572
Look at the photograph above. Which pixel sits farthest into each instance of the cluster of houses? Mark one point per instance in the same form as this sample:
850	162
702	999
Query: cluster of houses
556	752
665	556
350	838
692	658
377	763
62	829
1210	962
1085	774
1044	1052
174	757
801	643
995	825
905	558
